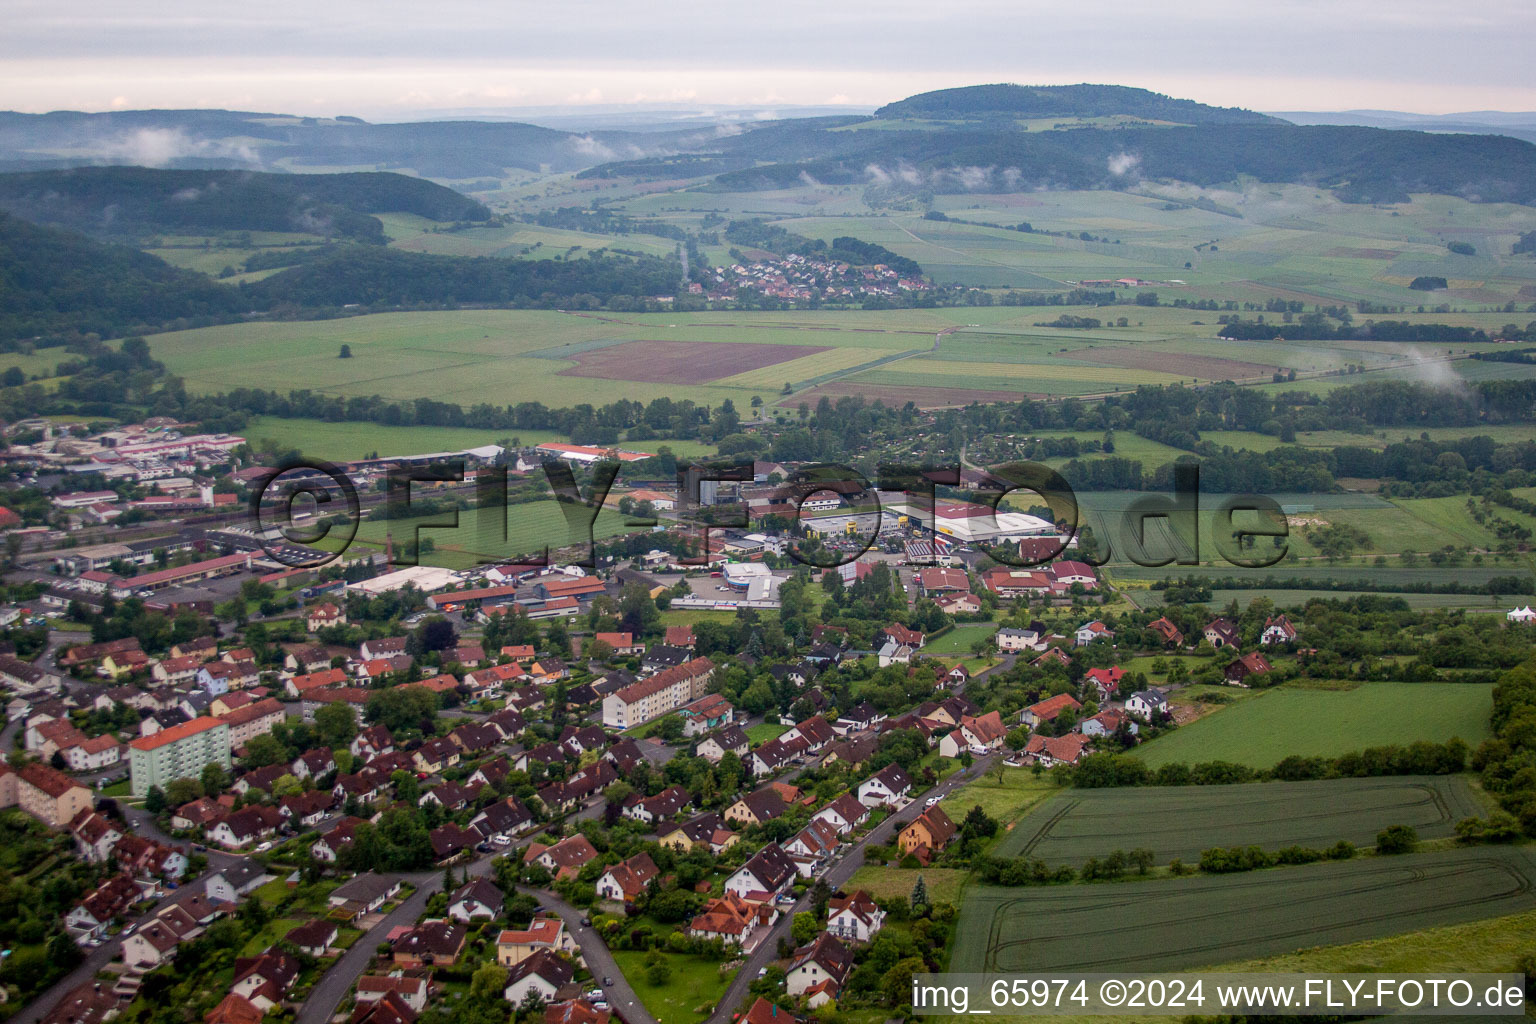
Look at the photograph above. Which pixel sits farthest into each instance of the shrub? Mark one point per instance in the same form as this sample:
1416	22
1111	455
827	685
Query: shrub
1396	839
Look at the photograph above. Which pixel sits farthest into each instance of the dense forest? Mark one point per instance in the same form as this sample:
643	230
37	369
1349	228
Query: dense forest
1315	327
135	202
758	234
58	282
390	277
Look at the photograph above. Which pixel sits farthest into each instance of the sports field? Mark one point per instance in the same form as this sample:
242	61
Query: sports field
532	527
1325	723
1181	821
1206	919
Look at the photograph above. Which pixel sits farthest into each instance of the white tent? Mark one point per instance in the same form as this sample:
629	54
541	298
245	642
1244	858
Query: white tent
1521	615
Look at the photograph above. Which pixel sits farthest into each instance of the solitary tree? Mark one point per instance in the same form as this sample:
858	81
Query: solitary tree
919	893
346	352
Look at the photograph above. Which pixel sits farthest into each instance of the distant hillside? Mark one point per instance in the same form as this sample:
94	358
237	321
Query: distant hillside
181	139
1358	164
355	275
1029	101
55	282
131	202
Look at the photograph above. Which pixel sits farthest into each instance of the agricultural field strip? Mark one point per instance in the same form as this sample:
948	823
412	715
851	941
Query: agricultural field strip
1180	822
1202	920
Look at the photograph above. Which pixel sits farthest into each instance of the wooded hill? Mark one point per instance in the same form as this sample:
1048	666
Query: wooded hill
1037	101
136	202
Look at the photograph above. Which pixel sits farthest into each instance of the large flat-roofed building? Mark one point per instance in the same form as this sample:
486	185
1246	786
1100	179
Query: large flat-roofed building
968	523
425	578
177	753
181	575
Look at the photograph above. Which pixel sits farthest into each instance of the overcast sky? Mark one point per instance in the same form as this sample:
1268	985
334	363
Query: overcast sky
382	59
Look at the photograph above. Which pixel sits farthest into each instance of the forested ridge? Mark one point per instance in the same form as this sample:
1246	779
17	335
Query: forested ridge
1036	101
1366	165
58	282
133	202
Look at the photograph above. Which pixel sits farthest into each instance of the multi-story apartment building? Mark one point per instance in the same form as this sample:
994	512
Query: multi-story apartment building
178	752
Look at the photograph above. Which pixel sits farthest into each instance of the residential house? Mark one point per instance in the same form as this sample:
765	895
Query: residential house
731	919
756	807
244	827
94	836
817	970
732	739
623	644
1241	671
364	894
315	937
545	932
651	809
265	978
1107	723
702	829
983	732
706	714
768	873
812	846
855	918
230	883
156	940
477	899
504	817
565	858
623	883
412	989
1104	681
1048	710
889	786
845	813
372	742
300	685
1222	633
1088	632
1011	639
449	840
540	975
1167	632
434	943
928	833
325	616
1051	751
1146	704
1277	630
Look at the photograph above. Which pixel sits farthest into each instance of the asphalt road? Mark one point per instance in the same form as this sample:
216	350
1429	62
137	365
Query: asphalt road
336	984
621	996
836	877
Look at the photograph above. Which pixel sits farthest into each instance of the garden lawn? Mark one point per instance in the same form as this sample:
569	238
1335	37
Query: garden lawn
762	732
695	982
959	639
